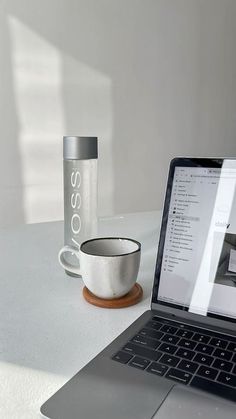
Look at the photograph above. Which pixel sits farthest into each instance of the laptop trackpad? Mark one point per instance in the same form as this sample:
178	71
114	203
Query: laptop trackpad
185	403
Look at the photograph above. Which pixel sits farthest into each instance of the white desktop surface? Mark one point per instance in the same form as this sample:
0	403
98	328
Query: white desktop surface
48	332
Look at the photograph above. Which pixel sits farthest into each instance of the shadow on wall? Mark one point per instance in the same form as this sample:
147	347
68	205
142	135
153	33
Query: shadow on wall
49	94
11	183
71	69
50	89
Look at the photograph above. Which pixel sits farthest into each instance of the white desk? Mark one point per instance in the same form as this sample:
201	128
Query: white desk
47	331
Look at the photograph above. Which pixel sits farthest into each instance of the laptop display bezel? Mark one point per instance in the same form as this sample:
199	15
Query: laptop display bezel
156	303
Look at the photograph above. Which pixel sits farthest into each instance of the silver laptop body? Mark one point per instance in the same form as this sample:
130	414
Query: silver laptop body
178	360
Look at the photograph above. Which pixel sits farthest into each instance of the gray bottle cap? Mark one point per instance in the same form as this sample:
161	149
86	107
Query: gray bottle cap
80	148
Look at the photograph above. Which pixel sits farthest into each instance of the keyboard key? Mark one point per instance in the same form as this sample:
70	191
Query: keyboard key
166	321
204	348
141	351
154	334
170	339
153	325
222	365
140	363
207	372
189	344
234	358
201	338
184	333
188	366
157	368
228	379
180	376
203	359
187	327
214	387
142	340
169	360
169	329
122	357
234	370
219	343
166	347
185	353
220	353
232	347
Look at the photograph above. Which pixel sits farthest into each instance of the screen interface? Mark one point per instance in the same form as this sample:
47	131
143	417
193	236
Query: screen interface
198	269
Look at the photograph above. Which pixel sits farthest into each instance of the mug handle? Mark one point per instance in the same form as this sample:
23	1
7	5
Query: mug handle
66	265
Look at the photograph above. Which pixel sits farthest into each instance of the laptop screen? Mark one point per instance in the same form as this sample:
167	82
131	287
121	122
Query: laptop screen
196	264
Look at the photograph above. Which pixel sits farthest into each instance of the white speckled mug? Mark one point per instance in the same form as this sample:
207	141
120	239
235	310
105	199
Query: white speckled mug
109	266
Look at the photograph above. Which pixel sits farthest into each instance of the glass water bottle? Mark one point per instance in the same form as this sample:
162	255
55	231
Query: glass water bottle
80	191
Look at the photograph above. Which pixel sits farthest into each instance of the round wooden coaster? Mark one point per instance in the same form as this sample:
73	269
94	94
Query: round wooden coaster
133	297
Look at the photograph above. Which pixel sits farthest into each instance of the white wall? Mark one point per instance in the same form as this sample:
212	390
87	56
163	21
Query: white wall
152	79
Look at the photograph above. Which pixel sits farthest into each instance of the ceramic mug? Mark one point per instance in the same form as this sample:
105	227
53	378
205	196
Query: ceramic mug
109	266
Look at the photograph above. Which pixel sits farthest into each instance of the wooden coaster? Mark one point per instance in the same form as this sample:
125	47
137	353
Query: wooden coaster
133	297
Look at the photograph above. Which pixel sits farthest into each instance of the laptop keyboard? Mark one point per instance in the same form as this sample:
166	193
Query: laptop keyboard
185	354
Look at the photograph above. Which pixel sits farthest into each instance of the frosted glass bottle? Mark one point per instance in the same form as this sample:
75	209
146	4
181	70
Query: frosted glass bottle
80	191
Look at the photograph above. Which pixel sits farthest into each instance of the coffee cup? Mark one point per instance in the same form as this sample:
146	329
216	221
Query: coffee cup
108	266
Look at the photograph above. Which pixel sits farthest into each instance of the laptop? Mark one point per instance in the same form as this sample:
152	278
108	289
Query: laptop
178	360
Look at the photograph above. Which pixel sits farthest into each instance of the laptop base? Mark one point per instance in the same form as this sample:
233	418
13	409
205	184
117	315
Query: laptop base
107	389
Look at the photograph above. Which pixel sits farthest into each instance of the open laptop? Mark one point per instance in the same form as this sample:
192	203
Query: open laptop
178	360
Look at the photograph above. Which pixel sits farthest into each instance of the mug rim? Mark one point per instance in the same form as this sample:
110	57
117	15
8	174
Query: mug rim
111	238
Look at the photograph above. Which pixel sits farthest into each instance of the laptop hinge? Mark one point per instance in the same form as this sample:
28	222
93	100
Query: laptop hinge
174	314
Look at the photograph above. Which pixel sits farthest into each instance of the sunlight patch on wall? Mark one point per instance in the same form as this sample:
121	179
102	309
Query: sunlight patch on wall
37	85
57	95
